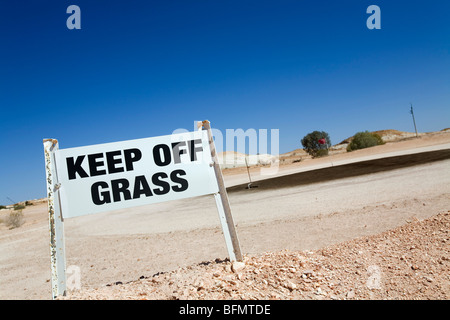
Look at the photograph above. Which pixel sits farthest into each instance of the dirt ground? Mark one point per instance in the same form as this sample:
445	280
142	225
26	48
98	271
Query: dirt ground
405	263
371	229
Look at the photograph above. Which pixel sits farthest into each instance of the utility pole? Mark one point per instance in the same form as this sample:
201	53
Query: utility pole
414	121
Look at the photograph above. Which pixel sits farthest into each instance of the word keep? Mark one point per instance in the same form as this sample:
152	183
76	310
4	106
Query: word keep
121	160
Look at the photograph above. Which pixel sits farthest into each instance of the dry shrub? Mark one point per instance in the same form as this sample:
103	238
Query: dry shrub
15	219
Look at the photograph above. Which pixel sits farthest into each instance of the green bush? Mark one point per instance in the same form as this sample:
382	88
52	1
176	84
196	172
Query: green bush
364	139
19	207
312	146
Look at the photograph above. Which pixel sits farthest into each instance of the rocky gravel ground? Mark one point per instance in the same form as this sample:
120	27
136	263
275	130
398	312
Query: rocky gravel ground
409	262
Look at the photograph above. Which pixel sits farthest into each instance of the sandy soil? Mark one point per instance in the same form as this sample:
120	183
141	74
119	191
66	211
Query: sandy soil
408	262
376	229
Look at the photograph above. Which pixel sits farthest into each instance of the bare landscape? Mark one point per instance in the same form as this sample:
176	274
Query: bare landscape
368	224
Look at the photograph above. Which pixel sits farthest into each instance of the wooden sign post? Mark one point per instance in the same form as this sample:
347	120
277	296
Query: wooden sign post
223	204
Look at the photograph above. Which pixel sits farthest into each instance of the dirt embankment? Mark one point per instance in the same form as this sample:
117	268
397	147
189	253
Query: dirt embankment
408	262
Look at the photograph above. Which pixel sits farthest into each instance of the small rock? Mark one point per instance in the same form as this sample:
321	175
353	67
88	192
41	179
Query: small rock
274	296
289	285
200	286
237	266
228	278
307	272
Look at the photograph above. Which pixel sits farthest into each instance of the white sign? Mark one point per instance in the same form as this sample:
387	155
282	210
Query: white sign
125	174
130	173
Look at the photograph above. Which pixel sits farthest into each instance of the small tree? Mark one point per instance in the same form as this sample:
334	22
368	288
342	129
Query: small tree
363	140
313	143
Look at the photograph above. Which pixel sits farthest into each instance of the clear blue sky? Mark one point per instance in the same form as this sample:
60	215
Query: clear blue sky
145	68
